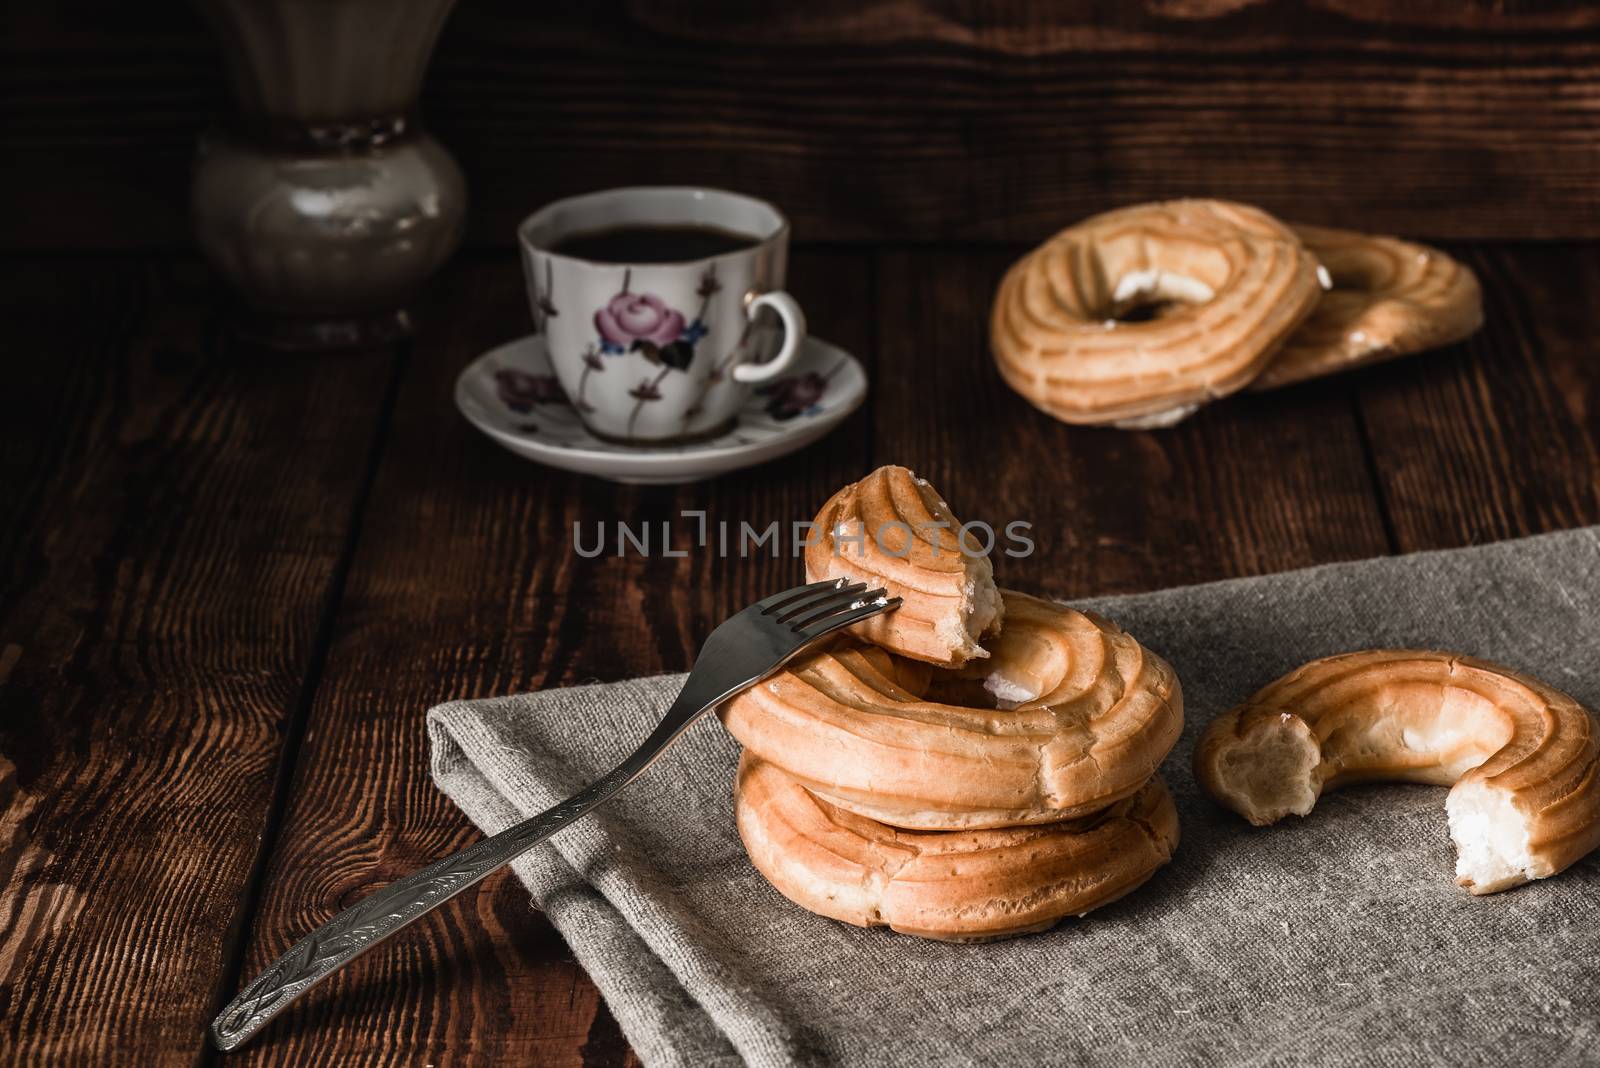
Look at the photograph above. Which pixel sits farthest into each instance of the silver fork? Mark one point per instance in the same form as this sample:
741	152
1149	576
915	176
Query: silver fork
742	651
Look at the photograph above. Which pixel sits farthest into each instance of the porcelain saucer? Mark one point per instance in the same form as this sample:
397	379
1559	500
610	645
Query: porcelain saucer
511	394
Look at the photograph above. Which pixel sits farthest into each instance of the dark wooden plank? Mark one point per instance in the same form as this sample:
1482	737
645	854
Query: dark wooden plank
1251	484
465	583
1500	436
888	120
176	512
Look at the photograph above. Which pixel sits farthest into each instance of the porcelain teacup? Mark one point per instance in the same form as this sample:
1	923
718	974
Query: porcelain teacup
655	352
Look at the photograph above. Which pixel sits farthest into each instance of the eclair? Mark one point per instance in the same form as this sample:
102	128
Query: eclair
1522	758
893	530
1388	298
1138	316
1068	715
963	886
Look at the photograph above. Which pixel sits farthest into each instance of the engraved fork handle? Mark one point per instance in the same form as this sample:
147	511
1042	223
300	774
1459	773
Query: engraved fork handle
385	912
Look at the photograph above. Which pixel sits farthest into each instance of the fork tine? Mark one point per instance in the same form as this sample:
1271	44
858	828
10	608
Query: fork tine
837	597
819	611
854	615
778	600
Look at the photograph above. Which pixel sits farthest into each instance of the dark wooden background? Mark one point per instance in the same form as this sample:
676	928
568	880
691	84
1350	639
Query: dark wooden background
886	119
234	581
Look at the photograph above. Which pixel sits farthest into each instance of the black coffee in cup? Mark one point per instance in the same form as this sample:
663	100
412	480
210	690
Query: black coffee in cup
653	244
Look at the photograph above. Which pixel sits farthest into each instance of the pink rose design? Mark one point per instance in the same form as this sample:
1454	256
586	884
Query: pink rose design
631	317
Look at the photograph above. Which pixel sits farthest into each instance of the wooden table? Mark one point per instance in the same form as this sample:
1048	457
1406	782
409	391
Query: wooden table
235	582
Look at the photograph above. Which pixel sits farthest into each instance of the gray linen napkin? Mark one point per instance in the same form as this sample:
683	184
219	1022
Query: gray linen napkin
1340	939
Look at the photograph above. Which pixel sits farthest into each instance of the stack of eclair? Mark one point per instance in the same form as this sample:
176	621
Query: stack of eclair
977	764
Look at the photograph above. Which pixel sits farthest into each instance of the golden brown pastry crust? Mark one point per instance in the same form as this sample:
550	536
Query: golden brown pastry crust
892	529
1389	298
1089	715
962	886
1057	341
1506	741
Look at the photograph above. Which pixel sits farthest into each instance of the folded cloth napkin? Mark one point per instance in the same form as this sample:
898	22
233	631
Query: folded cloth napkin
1340	939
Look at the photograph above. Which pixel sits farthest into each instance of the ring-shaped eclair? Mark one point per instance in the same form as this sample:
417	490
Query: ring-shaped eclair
960	886
1069	714
1225	283
1523	757
1389	298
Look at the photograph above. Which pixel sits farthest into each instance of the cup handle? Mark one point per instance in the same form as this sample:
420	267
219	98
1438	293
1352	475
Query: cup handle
794	335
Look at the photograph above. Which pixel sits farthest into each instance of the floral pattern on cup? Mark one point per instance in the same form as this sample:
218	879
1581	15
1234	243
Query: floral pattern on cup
520	391
629	318
643	323
634	322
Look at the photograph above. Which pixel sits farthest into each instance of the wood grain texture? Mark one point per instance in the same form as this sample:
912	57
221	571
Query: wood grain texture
465	584
1498	437
182	522
892	119
175	513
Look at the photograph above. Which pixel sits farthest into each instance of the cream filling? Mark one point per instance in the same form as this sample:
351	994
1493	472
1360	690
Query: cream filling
1491	837
1006	693
981	605
1139	287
